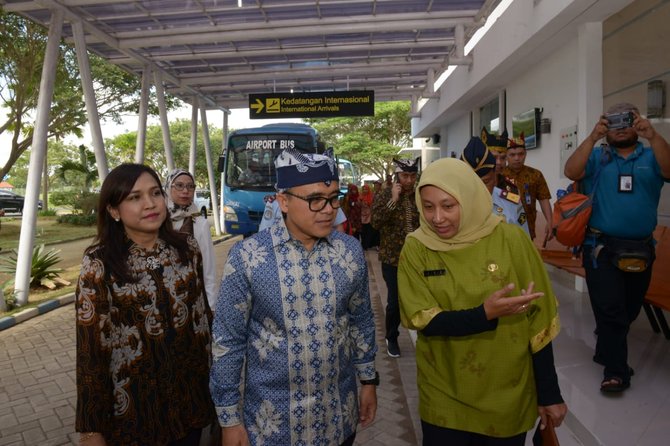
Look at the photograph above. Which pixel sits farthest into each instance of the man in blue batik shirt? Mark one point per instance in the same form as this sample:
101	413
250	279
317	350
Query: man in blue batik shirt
294	312
627	178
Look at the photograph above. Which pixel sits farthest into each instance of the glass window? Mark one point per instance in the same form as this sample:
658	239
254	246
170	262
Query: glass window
489	116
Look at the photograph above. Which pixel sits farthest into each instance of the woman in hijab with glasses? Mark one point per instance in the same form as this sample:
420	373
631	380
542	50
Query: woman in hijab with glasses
475	289
186	218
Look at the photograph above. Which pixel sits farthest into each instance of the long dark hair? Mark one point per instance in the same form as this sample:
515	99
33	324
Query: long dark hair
111	236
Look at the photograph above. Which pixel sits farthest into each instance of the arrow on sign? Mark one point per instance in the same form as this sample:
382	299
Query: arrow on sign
258	105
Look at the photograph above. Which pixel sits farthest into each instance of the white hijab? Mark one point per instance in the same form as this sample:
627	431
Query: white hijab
178	213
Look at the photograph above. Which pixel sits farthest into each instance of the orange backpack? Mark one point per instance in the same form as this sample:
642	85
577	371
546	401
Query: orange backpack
573	210
571	216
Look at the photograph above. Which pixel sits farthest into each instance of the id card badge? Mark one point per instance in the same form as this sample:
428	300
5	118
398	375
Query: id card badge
625	183
528	199
510	196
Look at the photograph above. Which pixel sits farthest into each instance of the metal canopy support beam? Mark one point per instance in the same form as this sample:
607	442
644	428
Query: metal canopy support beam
165	125
37	156
194	136
460	58
89	99
222	55
210	169
281	29
429	91
359	69
112	42
142	118
414	111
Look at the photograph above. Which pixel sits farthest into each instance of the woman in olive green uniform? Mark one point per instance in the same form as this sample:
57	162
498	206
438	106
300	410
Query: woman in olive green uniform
477	292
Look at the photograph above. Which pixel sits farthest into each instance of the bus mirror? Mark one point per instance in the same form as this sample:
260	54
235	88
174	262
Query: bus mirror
222	160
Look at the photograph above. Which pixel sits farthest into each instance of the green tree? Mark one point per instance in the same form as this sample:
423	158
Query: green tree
22	47
122	147
370	142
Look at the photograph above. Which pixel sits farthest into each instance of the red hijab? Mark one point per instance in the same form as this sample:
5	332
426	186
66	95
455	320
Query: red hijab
367	195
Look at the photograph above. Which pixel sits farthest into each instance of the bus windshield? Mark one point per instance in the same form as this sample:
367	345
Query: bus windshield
251	158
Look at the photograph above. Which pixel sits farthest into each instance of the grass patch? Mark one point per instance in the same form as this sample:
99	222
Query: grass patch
48	231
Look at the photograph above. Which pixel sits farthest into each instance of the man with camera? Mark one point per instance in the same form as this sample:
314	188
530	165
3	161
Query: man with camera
394	215
618	251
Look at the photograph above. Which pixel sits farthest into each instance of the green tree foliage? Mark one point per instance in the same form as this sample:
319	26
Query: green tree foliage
123	148
22	48
371	142
84	168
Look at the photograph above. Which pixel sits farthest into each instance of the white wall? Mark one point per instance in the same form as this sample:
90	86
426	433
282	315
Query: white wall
457	134
550	85
526	33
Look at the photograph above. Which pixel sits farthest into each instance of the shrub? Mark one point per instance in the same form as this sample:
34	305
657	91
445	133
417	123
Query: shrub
62	198
42	268
88	202
10	301
78	219
49	213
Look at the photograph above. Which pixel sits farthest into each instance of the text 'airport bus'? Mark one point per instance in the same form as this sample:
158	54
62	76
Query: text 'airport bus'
249	173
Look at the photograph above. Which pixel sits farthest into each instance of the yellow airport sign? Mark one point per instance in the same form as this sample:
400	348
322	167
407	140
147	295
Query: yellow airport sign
312	105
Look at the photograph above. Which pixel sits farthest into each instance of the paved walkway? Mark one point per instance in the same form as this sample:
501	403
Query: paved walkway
37	378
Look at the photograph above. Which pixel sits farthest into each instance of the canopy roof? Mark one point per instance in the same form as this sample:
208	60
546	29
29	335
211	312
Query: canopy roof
223	52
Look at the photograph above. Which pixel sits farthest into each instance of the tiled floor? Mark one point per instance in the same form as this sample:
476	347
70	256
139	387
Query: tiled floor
640	416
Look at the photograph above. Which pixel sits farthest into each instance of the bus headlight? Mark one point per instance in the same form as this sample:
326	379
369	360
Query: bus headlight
229	213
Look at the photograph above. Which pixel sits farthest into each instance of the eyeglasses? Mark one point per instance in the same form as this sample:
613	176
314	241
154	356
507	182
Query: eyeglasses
181	186
317	204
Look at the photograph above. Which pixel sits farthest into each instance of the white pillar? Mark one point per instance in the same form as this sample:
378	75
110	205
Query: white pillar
165	125
194	136
589	78
89	99
224	144
210	169
142	118
38	153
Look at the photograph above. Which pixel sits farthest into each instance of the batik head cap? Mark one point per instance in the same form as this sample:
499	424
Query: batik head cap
515	143
495	143
479	157
406	165
295	168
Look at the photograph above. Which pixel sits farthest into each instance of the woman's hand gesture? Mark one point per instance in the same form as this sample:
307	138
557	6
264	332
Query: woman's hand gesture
500	304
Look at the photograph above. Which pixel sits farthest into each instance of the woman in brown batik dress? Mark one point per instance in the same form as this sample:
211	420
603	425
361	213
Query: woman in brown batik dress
143	323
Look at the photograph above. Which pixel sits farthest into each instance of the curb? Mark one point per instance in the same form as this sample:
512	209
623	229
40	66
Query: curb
29	313
49	305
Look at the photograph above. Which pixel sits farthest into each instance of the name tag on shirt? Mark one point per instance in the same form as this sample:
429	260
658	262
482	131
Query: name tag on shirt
434	272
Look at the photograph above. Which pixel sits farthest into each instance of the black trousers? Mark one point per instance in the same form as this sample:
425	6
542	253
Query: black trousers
349	441
441	436
616	299
390	275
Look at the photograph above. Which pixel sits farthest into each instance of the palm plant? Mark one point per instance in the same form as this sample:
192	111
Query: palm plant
42	270
85	167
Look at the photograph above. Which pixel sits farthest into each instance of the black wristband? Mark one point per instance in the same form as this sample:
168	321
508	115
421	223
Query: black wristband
371	382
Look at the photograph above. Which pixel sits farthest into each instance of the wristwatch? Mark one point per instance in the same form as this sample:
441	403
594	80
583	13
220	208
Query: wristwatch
371	382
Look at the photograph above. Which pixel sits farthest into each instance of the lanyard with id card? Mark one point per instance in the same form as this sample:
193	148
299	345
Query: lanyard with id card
625	183
625	179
